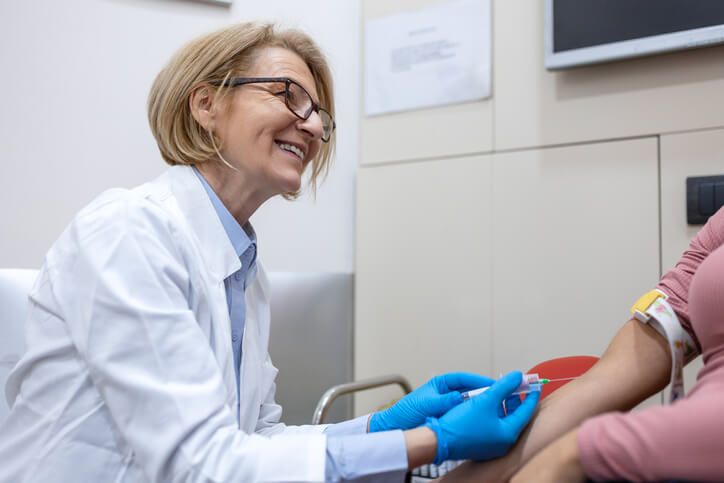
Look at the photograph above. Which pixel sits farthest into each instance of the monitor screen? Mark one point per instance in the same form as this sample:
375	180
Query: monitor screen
581	32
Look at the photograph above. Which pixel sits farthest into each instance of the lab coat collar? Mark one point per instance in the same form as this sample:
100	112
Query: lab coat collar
216	249
241	237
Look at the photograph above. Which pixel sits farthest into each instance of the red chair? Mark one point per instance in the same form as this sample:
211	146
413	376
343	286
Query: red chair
561	368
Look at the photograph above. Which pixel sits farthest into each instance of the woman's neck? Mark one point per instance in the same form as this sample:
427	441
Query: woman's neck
234	189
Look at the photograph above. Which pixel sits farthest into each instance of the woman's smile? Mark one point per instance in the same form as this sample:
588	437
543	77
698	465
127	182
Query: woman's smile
295	150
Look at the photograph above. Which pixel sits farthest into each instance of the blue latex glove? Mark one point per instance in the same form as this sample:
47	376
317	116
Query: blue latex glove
434	398
475	429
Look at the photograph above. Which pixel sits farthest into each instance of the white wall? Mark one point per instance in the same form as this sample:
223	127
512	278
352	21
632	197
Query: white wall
496	234
73	120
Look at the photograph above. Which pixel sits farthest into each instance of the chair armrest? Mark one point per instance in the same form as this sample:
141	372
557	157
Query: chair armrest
320	413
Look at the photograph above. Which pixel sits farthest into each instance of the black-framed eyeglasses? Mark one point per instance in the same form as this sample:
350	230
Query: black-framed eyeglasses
296	98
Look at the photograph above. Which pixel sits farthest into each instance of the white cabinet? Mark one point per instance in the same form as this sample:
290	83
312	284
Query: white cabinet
575	243
423	275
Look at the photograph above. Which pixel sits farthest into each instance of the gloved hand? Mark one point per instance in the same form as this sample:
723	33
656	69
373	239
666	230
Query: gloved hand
475	429
434	398
510	404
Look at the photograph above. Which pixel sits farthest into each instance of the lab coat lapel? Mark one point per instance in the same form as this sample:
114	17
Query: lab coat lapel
219	261
254	349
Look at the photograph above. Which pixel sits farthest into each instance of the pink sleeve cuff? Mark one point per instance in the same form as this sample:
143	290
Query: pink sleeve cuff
607	449
591	461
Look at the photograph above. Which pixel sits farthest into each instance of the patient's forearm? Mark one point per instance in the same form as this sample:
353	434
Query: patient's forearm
636	365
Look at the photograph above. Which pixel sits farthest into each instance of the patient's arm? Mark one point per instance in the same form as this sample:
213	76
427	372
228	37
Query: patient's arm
559	462
636	364
684	440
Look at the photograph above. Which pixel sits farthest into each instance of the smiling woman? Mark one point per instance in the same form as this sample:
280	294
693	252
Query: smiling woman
207	71
270	153
148	357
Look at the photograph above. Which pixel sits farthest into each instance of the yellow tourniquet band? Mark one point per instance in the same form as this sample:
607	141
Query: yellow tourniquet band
645	301
653	309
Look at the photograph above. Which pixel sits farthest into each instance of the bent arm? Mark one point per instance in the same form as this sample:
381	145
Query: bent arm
636	365
124	293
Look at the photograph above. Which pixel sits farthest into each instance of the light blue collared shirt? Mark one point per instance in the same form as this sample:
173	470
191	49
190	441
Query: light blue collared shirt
243	239
352	454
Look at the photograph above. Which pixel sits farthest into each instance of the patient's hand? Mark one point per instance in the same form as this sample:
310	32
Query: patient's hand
492	471
557	463
487	471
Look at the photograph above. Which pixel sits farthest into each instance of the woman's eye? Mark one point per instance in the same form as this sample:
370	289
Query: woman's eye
281	93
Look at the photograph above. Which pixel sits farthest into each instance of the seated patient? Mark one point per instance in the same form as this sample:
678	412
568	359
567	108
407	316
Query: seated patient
683	441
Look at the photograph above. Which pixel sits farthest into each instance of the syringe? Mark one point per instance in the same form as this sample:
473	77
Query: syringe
531	382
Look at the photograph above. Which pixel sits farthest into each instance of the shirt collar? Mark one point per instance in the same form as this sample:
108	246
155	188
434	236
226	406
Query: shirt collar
241	237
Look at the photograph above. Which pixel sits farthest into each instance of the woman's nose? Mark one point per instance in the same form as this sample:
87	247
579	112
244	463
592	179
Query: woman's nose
312	125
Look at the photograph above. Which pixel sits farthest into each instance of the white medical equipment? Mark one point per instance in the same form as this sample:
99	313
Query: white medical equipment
653	309
531	383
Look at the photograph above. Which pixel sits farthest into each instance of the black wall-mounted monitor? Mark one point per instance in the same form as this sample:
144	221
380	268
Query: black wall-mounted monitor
582	32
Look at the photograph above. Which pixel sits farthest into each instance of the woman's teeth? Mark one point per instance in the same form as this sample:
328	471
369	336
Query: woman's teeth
292	149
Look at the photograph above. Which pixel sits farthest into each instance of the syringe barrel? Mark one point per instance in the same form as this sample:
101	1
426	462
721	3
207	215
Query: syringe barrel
531	382
528	380
532	387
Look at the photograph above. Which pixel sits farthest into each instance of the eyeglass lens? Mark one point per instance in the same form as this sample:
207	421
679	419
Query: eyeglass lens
301	103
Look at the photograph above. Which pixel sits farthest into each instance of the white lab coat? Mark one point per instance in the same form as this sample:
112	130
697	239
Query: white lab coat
128	375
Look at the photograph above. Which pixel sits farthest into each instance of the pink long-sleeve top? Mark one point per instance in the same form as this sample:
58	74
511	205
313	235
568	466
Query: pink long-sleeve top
686	439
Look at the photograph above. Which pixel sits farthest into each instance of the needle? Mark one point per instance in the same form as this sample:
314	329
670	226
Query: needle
546	381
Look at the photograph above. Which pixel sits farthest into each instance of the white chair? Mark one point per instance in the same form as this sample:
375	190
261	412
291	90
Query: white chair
15	284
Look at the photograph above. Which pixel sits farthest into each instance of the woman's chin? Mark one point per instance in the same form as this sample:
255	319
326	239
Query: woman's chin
284	179
291	185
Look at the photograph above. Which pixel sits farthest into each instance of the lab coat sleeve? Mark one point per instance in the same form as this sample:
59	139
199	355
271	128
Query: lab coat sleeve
123	288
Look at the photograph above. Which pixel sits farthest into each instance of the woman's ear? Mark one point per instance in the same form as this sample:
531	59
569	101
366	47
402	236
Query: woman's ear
201	103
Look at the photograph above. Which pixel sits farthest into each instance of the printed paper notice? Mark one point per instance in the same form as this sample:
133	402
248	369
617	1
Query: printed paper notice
430	57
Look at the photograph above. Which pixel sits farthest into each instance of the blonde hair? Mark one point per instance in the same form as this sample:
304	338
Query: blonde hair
219	55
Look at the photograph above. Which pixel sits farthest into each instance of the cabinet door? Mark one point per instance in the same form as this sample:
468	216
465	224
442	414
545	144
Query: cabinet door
575	243
422	299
